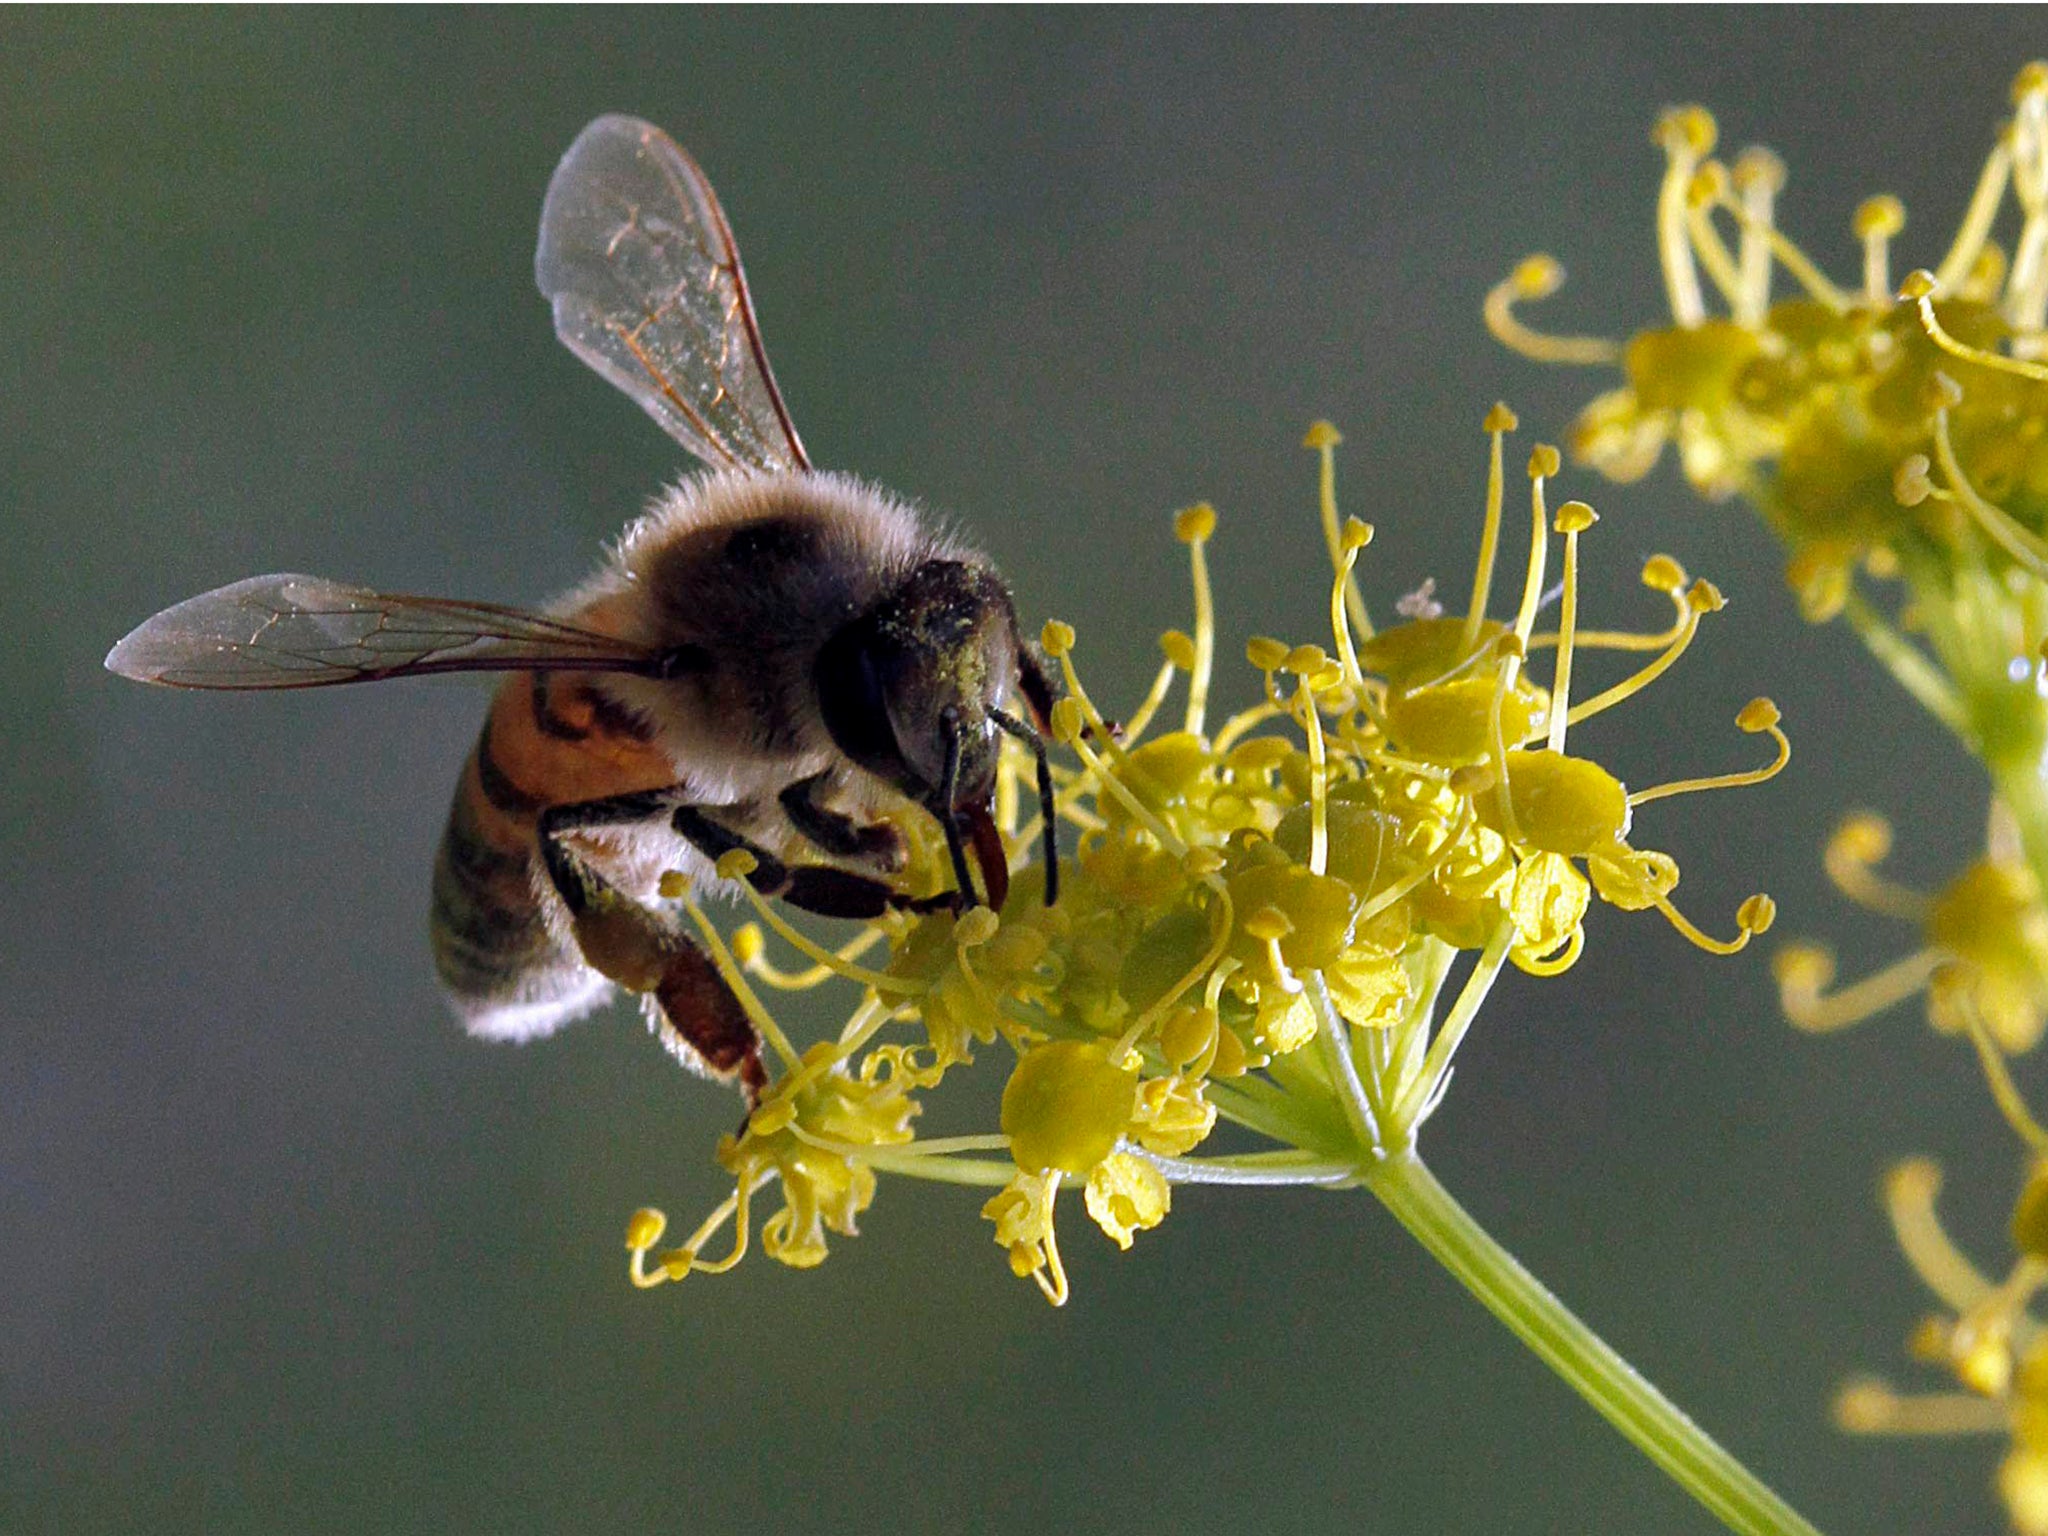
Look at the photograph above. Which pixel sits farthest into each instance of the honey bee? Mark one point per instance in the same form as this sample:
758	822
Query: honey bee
773	658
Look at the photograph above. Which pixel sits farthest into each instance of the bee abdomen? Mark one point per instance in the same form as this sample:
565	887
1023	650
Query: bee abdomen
506	973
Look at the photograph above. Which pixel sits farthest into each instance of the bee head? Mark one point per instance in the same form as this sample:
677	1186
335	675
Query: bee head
910	689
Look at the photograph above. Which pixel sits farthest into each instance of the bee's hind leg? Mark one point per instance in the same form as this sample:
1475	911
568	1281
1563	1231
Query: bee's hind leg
695	1012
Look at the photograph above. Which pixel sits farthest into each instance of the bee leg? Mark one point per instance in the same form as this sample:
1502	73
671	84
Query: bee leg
811	887
690	1005
877	843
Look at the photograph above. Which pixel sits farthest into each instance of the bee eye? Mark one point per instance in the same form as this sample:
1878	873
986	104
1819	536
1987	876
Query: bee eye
854	701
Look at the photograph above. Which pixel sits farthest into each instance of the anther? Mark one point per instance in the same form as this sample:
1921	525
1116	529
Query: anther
644	1229
1881	217
1179	648
1057	638
1943	392
736	864
1661	573
1919	284
1756	914
1757	716
1574	517
1544	461
1321	434
1500	418
1912	482
1760	169
1266	653
2031	81
1191	525
1691	129
1704	597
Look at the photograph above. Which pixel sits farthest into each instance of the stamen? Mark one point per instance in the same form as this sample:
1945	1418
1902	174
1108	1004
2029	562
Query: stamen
1544	461
1909	1192
1660	574
1758	175
729	970
2005	1093
1919	289
2025	547
1791	258
1176	653
1318	782
1067	730
1573	518
1324	438
1499	422
1687	136
1758	717
1803	973
1753	917
1710	190
1557	964
1977	219
1538	277
1876	221
1351	541
749	950
1193	527
1223	921
1702	597
1851	858
1869	1407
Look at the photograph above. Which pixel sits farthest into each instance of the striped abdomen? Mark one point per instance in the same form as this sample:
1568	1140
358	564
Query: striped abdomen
549	740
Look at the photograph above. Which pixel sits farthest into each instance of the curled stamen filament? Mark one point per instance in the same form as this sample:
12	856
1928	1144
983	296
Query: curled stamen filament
1809	1010
1538	277
1722	780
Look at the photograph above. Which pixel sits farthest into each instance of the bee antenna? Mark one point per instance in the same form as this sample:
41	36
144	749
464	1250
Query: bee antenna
1024	733
949	787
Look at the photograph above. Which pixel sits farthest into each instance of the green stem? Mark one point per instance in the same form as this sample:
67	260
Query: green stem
1643	1414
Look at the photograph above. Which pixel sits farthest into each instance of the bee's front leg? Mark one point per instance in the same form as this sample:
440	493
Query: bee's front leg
876	843
815	888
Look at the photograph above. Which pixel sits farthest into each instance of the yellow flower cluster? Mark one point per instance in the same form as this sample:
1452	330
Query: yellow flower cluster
1257	922
1812	406
1986	1337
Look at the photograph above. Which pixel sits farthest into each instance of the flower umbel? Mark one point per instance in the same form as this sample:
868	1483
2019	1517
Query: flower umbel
1261	921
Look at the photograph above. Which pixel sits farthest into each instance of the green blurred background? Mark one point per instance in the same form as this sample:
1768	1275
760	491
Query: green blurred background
280	1248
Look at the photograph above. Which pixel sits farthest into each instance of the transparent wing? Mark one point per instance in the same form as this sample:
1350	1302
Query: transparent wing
640	265
302	632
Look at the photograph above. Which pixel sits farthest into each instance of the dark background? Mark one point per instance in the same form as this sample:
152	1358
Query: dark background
280	1248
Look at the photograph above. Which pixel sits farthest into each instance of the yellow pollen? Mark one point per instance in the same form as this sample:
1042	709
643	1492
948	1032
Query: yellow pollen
736	864
1321	434
1191	525
749	944
644	1229
1266	653
1057	638
672	885
1179	648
